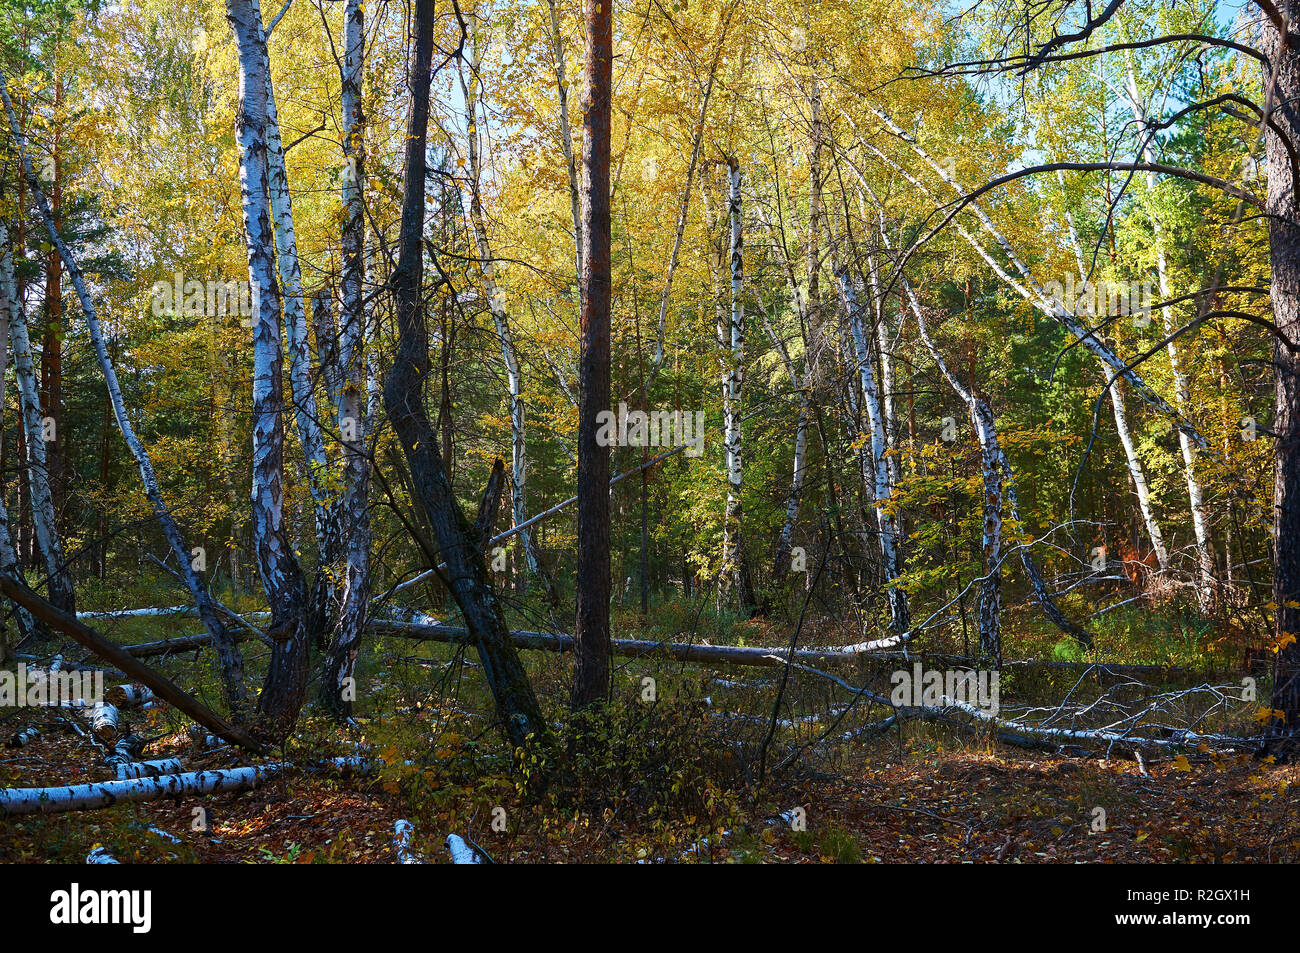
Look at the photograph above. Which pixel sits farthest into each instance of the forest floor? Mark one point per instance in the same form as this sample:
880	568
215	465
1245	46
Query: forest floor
677	781
947	806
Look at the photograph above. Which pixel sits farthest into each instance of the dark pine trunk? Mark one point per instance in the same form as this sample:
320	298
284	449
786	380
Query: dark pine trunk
591	633
1282	736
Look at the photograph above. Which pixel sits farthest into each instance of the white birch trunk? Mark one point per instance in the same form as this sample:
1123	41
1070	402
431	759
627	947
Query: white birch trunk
8	553
879	465
733	340
1137	472
29	401
350	367
286	678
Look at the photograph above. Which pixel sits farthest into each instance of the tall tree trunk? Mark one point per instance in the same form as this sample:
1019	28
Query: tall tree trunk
58	574
1136	471
286	679
1282	735
591	631
52	337
466	575
785	540
306	415
735	570
8	554
881	488
232	663
338	682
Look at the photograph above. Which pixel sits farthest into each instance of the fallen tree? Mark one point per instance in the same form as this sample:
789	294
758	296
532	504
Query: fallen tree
162	687
79	797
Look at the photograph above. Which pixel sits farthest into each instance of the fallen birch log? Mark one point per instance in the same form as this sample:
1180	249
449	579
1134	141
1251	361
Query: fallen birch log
103	722
461	852
129	696
79	797
634	648
402	832
131	770
100	855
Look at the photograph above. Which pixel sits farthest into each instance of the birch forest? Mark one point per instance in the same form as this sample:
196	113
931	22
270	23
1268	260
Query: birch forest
649	431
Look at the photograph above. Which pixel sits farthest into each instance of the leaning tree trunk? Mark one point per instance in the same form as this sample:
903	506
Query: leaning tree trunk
338	685
286	678
981	416
232	663
38	472
591	631
1282	734
466	575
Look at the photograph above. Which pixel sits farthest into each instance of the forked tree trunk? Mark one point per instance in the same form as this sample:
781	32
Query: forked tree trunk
286	679
591	657
466	575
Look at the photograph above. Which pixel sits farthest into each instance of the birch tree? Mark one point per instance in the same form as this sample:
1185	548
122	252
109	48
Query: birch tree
286	680
353	512
57	572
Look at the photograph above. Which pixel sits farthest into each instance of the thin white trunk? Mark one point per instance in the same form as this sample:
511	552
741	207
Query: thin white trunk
1137	472
1207	583
283	693
879	465
497	305
350	369
38	477
8	554
566	134
733	342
